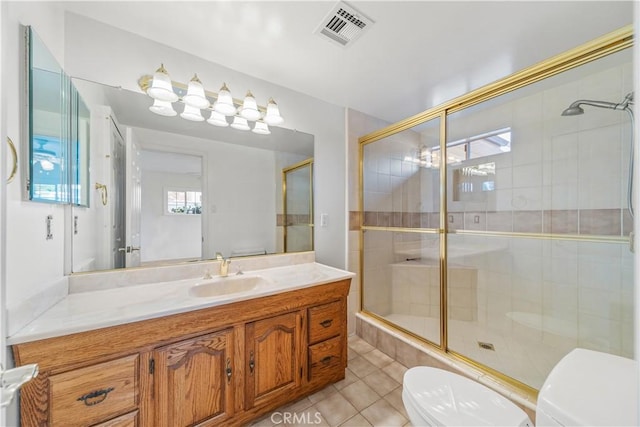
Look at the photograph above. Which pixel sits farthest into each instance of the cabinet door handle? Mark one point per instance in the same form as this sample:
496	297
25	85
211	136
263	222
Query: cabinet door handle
325	360
229	369
252	363
326	323
95	397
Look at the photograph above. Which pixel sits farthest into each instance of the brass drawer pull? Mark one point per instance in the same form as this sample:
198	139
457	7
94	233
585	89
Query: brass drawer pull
99	395
326	323
325	360
229	371
252	363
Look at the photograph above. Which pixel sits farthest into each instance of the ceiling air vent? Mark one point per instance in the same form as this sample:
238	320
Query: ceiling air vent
343	25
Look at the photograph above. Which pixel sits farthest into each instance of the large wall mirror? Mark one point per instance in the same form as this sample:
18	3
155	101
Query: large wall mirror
165	190
58	130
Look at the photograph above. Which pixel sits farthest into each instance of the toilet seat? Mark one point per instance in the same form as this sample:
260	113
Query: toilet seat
447	399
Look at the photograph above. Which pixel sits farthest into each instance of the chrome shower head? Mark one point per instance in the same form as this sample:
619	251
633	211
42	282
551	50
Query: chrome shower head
573	110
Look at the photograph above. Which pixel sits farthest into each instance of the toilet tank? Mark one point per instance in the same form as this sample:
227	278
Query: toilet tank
589	388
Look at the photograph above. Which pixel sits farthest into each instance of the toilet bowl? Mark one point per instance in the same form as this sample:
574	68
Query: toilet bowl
435	397
586	388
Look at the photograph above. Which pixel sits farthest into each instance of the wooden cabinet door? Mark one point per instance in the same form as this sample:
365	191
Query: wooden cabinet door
272	358
193	380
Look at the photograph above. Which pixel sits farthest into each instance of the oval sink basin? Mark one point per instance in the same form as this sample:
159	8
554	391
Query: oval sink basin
226	285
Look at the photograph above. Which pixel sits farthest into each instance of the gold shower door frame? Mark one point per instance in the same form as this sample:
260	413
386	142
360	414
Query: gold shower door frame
608	44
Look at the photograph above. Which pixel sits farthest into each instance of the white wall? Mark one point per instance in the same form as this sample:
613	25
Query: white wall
4	171
33	263
103	53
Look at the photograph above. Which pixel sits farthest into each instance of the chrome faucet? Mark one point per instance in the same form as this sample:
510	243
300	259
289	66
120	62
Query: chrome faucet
224	264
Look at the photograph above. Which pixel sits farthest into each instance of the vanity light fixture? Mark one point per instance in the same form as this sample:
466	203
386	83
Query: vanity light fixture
249	109
195	98
192	113
217	119
164	108
272	117
161	87
261	128
240	123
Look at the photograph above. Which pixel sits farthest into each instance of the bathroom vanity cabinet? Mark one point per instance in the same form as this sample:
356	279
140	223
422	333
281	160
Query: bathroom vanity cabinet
223	365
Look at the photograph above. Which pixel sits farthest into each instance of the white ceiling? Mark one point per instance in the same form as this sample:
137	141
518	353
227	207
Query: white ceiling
416	55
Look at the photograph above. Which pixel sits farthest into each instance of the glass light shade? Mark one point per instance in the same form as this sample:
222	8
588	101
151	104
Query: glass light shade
273	116
240	123
161	87
218	119
261	128
195	96
249	109
46	165
164	108
224	103
192	113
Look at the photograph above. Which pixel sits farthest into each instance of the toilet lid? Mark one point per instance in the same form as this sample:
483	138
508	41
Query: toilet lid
591	388
449	399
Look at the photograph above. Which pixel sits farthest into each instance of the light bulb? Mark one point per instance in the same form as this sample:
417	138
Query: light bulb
218	119
273	116
161	87
195	96
163	108
261	128
240	123
224	103
191	113
249	109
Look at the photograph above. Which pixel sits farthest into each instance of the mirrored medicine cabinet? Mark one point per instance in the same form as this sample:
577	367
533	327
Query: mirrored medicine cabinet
56	122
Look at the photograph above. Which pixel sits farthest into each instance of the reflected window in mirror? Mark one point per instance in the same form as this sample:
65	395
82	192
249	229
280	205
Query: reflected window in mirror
183	202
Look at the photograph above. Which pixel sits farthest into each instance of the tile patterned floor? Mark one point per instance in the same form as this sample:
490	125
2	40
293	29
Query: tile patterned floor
370	395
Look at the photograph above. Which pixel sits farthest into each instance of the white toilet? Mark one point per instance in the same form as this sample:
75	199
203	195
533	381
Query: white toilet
589	388
435	397
586	388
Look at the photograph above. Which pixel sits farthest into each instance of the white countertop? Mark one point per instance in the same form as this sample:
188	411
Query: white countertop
85	311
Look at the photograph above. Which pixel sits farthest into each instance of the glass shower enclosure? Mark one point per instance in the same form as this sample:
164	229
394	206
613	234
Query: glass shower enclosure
497	230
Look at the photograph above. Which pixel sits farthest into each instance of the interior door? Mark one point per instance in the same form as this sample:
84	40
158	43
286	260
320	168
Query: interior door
133	201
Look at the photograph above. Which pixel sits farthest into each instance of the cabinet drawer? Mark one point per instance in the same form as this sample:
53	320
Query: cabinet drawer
95	393
126	420
325	321
325	359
